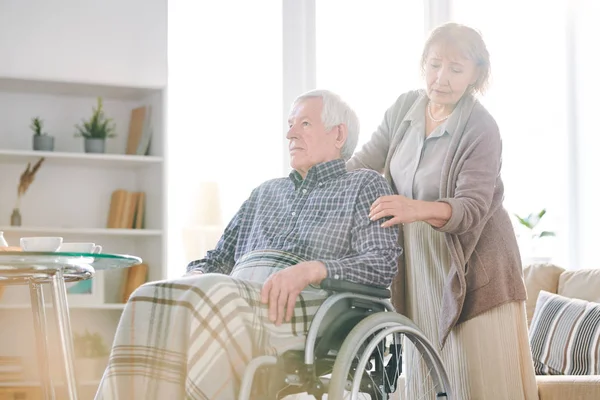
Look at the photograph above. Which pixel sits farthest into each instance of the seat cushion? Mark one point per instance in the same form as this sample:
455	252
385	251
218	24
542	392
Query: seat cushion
539	277
568	387
565	336
581	284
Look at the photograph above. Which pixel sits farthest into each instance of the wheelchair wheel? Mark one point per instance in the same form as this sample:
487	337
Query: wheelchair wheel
369	362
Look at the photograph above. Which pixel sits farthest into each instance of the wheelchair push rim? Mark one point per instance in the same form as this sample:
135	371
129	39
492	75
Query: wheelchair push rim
366	337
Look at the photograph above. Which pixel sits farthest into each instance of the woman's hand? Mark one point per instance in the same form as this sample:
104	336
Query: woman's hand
402	210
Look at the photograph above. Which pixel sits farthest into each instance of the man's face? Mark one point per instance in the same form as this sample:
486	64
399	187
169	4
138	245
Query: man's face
310	142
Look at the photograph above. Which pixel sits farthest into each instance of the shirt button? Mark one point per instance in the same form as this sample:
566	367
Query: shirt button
336	276
320	183
293	213
304	191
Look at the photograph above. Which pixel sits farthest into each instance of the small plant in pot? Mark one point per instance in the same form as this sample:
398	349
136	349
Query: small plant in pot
91	355
96	130
41	140
530	239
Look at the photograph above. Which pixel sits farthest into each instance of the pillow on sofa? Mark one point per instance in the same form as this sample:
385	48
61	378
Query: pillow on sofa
565	336
540	277
581	284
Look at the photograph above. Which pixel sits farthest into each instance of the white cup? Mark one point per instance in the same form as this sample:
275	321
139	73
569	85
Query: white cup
80	247
41	243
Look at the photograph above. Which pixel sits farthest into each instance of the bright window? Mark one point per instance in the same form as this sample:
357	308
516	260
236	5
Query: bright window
368	52
587	32
528	99
224	107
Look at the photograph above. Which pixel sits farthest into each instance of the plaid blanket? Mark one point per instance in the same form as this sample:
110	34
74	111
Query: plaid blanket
192	337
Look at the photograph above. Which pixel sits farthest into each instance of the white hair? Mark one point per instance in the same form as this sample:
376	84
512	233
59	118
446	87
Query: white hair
335	112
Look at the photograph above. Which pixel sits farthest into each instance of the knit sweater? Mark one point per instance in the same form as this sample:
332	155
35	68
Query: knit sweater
486	268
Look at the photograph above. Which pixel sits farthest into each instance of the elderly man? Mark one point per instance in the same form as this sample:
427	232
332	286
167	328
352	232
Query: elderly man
256	292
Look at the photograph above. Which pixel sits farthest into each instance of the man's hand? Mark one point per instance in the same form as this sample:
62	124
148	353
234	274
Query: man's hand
193	272
281	290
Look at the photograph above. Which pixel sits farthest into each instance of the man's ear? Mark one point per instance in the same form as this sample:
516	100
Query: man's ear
341	132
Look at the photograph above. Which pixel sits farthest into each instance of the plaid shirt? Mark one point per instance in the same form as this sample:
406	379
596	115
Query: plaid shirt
324	217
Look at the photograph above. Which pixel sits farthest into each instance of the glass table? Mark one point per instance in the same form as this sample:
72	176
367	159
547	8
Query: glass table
35	269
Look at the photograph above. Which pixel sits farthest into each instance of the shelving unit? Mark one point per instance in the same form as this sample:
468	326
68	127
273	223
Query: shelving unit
79	159
95	232
70	197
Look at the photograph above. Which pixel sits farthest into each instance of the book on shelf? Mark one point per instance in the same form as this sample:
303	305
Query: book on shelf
134	278
127	210
140	131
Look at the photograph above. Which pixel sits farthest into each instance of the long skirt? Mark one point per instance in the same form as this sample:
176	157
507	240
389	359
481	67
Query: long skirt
487	357
191	338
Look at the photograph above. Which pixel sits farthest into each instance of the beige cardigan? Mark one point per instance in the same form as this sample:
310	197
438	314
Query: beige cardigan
486	266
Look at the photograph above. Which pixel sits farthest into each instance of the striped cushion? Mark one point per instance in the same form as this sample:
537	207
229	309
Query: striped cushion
565	336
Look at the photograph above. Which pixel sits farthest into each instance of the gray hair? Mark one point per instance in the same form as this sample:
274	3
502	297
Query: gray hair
335	112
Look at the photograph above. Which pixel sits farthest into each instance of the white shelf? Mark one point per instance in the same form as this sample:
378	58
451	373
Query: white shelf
38	383
79	159
107	306
74	88
26	230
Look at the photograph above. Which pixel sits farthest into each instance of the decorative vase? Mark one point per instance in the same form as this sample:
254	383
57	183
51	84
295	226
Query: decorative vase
94	145
15	217
43	142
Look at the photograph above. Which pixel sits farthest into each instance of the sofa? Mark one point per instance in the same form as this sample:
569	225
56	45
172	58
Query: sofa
544	281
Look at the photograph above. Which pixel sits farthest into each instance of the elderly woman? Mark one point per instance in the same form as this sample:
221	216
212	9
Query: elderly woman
461	281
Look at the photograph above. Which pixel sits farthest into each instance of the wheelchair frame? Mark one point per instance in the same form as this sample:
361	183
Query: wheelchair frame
304	377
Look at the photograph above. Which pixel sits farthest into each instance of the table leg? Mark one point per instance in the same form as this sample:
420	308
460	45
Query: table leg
63	322
41	337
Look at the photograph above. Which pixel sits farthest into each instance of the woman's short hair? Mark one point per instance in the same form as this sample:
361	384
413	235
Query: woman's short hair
467	42
335	112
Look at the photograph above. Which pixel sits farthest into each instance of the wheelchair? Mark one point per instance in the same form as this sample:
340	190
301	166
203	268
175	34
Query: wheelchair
353	350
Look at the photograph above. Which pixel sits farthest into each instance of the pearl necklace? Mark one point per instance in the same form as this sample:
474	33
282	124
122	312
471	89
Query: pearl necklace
431	115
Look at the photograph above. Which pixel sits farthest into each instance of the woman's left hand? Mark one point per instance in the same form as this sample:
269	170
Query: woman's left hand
402	210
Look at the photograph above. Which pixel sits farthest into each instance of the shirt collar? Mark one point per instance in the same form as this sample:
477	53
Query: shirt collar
320	173
417	112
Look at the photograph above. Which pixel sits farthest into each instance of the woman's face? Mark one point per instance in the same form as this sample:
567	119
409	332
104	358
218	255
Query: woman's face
448	75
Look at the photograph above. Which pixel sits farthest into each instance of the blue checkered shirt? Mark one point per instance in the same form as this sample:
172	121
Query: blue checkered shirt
324	217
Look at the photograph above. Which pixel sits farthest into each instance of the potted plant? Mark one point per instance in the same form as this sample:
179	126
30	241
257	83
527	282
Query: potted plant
529	241
91	355
96	130
41	140
25	181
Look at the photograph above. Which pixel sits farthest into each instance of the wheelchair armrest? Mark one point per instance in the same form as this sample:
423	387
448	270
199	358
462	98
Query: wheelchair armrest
336	285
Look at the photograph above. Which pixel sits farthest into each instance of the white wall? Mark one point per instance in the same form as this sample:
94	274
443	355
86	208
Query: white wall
108	41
